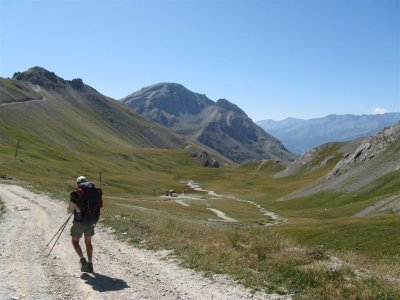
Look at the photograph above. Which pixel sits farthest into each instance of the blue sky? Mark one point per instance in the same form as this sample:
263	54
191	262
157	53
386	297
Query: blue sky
274	59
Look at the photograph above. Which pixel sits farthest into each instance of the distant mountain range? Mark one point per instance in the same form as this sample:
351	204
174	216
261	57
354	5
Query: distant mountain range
219	125
299	135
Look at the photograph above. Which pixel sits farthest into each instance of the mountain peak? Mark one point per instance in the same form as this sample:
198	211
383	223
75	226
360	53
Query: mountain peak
40	76
164	88
168	84
172	98
47	79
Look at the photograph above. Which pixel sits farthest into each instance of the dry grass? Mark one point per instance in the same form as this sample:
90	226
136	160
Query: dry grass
258	257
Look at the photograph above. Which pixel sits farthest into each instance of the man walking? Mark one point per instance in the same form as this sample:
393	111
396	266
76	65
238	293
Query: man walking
85	203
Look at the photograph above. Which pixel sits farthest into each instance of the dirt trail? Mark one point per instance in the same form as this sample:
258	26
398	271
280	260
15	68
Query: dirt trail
121	270
22	102
273	218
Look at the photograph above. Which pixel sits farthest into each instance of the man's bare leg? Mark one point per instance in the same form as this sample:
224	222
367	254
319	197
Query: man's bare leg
89	247
77	247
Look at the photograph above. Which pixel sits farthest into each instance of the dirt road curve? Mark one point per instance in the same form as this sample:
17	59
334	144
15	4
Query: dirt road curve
121	271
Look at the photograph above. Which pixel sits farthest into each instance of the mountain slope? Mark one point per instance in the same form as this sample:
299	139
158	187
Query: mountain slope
364	166
220	125
300	136
64	128
74	104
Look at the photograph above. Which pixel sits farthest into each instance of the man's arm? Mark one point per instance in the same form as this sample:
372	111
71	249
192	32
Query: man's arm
73	200
71	207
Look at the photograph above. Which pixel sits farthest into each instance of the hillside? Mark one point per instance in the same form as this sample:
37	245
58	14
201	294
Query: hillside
362	164
81	110
64	127
300	136
219	125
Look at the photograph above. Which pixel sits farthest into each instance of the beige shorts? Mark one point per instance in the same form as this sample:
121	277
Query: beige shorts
77	229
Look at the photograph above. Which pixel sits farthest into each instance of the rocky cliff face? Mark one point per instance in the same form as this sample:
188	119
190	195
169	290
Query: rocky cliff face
368	149
219	125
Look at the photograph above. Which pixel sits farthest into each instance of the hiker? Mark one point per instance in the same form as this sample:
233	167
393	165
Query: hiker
85	203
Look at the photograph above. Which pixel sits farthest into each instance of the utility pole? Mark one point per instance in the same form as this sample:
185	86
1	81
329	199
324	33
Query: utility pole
16	150
100	176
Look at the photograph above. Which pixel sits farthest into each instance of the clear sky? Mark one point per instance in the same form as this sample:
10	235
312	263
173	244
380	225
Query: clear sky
274	59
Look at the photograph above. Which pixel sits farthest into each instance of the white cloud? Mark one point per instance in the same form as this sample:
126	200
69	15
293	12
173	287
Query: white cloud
379	111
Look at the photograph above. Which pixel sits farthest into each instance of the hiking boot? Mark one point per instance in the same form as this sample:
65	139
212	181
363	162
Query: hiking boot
84	265
90	267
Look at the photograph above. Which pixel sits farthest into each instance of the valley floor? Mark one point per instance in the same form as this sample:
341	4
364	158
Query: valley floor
121	270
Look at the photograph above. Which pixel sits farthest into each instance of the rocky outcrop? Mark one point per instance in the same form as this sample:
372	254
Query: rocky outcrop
203	157
368	149
40	76
49	80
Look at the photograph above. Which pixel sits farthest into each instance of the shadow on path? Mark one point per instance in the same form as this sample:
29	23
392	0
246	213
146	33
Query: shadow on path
103	283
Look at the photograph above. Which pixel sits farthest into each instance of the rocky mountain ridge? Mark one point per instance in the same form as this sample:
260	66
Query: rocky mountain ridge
219	125
44	78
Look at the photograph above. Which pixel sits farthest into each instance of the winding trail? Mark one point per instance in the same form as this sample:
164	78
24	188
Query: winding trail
121	270
273	218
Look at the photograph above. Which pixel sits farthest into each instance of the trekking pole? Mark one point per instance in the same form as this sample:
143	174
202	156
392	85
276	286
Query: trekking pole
61	231
62	226
65	225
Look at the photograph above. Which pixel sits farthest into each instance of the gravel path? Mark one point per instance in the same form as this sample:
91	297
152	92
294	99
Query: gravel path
121	270
222	215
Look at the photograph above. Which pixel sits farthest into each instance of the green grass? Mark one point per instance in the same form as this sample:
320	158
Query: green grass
374	236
